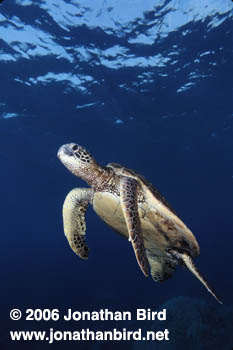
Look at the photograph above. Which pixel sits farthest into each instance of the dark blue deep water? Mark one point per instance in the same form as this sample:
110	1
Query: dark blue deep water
147	84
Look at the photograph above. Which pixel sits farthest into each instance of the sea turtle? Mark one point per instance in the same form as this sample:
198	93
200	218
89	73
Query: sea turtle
132	206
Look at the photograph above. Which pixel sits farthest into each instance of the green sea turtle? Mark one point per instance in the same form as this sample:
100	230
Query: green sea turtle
132	206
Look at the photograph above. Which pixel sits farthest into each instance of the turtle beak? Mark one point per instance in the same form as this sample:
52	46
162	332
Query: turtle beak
65	150
59	152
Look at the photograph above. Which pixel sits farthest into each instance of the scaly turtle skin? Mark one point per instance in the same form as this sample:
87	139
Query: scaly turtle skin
129	204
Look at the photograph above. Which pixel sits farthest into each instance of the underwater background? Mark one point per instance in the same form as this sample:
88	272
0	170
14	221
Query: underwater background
147	84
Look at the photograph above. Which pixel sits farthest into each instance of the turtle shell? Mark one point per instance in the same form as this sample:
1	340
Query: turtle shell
162	229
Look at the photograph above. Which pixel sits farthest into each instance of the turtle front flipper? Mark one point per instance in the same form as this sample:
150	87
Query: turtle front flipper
129	202
74	209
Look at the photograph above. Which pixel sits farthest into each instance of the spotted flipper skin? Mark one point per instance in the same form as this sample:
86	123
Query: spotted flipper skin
74	209
129	195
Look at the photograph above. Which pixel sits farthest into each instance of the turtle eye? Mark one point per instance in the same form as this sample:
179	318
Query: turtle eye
75	147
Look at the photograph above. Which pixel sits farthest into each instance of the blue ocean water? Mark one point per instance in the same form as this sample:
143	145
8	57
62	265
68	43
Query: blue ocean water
147	84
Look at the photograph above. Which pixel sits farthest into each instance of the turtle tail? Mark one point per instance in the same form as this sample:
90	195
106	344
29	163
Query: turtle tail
190	265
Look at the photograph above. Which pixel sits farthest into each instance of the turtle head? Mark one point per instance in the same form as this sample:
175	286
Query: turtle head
78	160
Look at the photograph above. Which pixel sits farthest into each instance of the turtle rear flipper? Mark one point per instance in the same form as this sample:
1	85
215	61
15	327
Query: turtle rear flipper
191	267
74	209
161	269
